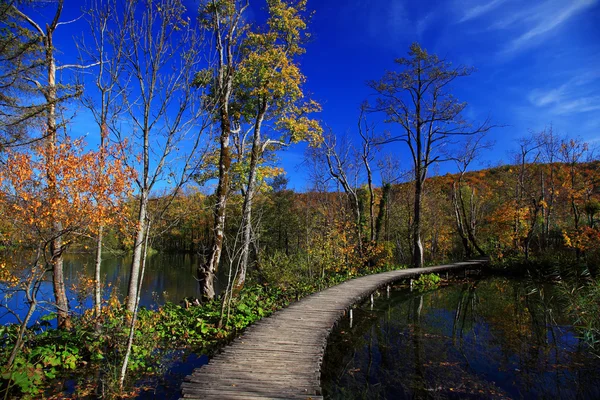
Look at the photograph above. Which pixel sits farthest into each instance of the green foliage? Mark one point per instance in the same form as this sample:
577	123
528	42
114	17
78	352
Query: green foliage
584	306
427	282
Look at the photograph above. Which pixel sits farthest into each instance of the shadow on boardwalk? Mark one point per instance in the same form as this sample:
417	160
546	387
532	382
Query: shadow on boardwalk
280	356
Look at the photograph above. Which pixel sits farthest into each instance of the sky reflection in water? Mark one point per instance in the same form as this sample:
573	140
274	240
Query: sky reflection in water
492	339
169	277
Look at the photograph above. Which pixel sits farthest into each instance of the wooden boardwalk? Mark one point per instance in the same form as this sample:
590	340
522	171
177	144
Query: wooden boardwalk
279	357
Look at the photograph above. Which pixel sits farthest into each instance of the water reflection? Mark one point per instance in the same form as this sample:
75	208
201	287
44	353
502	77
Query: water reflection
168	277
490	339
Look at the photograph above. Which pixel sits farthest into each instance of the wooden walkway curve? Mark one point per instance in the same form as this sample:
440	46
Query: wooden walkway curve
279	357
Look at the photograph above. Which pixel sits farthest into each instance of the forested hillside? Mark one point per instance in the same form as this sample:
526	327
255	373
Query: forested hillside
517	211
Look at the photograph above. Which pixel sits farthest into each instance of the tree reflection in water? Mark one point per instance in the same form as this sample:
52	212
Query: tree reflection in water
494	338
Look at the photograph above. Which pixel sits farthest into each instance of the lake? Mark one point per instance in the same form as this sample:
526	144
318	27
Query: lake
168	277
493	339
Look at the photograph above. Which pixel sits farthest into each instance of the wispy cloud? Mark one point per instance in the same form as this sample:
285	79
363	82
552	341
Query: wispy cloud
524	24
540	98
424	23
479	10
580	105
577	95
548	17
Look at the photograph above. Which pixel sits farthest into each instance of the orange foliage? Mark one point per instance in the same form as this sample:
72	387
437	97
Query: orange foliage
584	239
64	184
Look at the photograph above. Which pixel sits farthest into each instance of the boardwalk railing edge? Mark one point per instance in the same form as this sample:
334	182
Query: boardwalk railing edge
279	357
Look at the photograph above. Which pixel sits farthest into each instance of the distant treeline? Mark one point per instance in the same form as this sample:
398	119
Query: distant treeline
509	211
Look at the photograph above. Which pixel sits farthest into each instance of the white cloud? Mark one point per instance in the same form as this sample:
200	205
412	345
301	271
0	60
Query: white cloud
540	98
556	14
579	105
525	23
479	10
577	95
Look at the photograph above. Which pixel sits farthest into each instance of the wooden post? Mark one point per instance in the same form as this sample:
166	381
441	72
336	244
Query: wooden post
411	285
350	317
388	291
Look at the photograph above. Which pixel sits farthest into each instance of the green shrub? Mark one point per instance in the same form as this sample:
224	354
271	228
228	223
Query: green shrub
427	282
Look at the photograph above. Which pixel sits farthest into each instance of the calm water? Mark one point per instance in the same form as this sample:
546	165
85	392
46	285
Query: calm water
168	277
494	339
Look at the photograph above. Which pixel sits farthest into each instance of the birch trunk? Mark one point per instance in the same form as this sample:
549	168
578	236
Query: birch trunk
138	254
97	275
56	245
248	199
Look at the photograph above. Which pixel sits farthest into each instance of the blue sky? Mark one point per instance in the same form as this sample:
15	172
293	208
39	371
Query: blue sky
537	63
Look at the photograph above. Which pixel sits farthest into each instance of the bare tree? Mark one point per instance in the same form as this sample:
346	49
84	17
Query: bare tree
341	167
549	144
161	101
527	194
106	105
466	215
367	155
417	99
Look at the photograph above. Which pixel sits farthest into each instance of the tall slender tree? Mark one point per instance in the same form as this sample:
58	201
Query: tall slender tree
416	98
225	20
52	93
269	84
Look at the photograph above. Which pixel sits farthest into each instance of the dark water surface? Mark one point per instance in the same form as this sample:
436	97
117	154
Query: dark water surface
168	277
492	339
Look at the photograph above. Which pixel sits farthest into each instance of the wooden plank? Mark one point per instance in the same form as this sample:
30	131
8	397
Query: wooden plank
280	356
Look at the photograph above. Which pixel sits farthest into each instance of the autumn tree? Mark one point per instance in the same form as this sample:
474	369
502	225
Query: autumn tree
52	93
255	80
225	21
269	85
416	98
572	153
73	200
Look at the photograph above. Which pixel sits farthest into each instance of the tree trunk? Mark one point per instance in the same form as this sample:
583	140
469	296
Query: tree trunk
136	302
472	223
56	245
58	284
381	215
138	247
460	227
22	328
371	200
206	272
248	199
97	267
418	258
